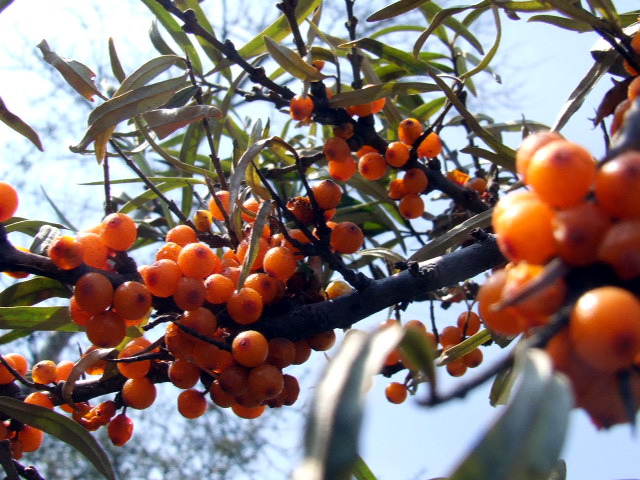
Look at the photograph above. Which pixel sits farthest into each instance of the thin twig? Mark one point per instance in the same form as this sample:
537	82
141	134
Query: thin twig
288	8
108	205
354	56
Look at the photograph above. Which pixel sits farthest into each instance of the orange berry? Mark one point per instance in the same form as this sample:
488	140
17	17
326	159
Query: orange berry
372	166
183	374
169	251
94	252
303	352
323	341
162	277
218	288
44	372
280	263
191	404
633	91
397	154
378	105
252	205
342	170
545	301
202	220
502	321
364	150
197	260
635	45
411	206
328	194
20	363
216	213
477	184
409	130
430	147
301	107
78	316
617	186
301	209
344	130
473	359
605	328
219	396
120	430
138	393
93	292
620	248
456	368
361	110
336	149
182	235
468	323
234	380
396	189
250	348
265	382
8	201
248	413
245	306
190	293
243	249
6	376
561	173
132	300
65	252
415	181
31	438
529	146
134	369
318	64
450	336
458	177
619	115
39	398
346	237
106	329
263	284
337	288
118	231
396	392
282	352
63	369
291	390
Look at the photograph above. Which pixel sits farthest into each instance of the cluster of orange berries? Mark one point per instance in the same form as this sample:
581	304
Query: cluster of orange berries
584	215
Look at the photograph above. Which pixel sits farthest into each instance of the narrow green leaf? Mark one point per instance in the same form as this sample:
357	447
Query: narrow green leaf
37	319
452	238
361	470
176	32
165	121
464	347
182	181
526	6
62	427
419	351
331	436
254	240
527	438
502	385
395	9
432	11
390	54
562	22
385	253
157	41
374	92
60	214
492	51
149	195
292	62
32	291
29	227
16	123
116	66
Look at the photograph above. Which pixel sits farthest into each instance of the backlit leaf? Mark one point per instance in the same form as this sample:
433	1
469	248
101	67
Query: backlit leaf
373	92
29	227
395	9
37	319
19	125
32	291
165	121
292	62
116	66
262	218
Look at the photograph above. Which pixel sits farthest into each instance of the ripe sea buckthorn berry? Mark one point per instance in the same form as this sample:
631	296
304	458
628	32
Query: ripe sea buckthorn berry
31	438
132	300
234	379
409	130
619	115
138	393
66	252
219	396
318	64
63	369
248	413
303	351
250	348
578	232
529	146
44	372
20	363
250	205
106	329
94	252
396	392
561	173
544	301
457	368
202	320
190	293
291	390
78	316
266	381
364	150
183	374
179	342
197	260
450	336
133	369
468	323
93	292
243	249
216	213
397	154
39	398
396	189
415	181
280	263
501	321
282	352
508	201
477	184
328	194
323	341
17	451
346	237
301	107
264	285
191	404
342	170
118	231
120	430
161	278
337	288
605	328
245	306
182	235
301	209
430	147
378	105
617	186
202	220
372	166
525	231
458	177
344	130
8	201
218	288
362	110
620	248
411	206
633	91
336	149
473	359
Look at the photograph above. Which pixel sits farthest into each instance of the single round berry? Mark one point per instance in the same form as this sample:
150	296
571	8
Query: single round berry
411	206
191	404
45	372
346	238
93	292
301	107
415	181
182	235
250	348
397	154
66	252
8	201
132	300
120	430
223	197
138	393
118	231
343	170
430	147
409	130
396	392
336	149
280	263
617	186
245	306
328	194
197	260
106	329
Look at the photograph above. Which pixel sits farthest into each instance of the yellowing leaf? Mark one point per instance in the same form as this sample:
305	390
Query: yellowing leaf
76	74
16	123
165	121
292	62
